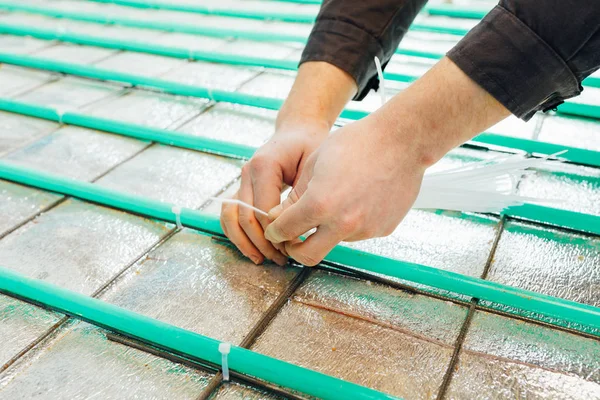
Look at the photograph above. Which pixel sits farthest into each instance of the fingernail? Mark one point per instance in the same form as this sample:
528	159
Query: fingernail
280	260
275	212
255	259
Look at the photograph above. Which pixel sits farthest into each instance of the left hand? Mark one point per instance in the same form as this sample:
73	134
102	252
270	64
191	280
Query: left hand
359	184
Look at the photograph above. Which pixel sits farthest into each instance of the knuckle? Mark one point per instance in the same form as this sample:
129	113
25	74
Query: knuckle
348	223
321	206
260	162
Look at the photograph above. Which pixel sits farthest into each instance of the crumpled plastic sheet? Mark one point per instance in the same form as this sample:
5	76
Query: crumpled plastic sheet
498	337
148	108
548	261
481	378
566	186
68	94
201	285
17	131
16	80
80	363
18	203
182	177
570	131
368	334
79	246
76	54
20	324
77	153
233	123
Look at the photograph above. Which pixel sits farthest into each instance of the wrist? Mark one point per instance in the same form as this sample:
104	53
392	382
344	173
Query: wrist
305	125
405	136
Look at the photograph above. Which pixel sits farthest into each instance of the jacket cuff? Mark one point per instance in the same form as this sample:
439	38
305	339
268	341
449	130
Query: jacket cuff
349	48
513	64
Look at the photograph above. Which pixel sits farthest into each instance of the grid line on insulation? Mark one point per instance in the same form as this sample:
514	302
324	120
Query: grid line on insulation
469	317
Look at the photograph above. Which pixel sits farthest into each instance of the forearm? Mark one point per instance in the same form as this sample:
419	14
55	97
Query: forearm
440	111
318	96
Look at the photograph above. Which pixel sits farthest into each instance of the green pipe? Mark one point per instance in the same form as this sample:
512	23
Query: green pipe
513	297
221	12
573	154
181	341
456	11
170	138
554	216
579	109
191	29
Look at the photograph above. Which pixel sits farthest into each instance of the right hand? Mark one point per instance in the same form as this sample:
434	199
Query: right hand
277	162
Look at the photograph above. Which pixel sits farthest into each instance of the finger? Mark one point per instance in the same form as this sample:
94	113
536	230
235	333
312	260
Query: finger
235	233
314	249
267	182
298	217
252	227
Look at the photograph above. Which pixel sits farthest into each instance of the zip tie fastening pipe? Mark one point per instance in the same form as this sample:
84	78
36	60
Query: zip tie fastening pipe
224	349
520	299
177	211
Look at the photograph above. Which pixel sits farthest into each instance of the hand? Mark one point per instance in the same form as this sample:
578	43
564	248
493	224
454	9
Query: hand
278	161
359	184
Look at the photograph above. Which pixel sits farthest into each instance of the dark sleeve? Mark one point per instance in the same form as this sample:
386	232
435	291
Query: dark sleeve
532	55
350	33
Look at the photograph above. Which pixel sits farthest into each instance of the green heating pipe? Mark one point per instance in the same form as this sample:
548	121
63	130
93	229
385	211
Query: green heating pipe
440	10
562	309
195	29
183	342
577	155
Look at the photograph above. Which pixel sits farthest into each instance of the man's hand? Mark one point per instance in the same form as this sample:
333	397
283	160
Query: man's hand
359	184
365	177
277	162
319	94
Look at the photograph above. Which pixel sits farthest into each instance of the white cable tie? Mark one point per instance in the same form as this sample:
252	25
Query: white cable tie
224	349
240	203
210	94
177	211
60	112
190	54
381	80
